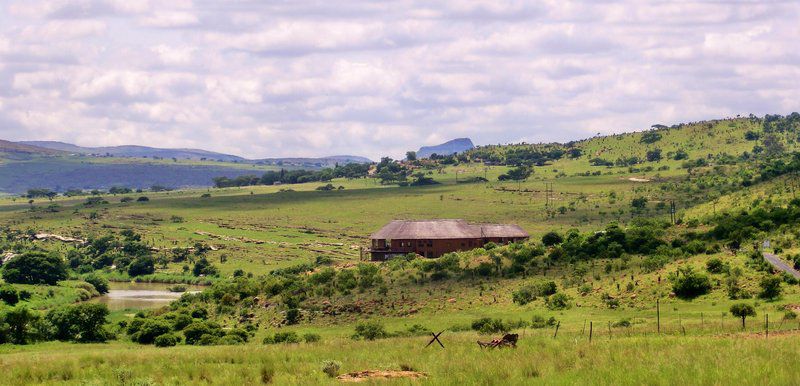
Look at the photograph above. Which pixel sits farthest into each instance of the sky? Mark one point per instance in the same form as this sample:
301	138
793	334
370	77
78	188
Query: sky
312	78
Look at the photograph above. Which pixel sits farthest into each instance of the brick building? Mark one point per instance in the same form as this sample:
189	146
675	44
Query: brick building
433	238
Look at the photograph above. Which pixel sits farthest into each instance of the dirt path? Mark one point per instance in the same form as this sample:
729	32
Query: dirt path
781	265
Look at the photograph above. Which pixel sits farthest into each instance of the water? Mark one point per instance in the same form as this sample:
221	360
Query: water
140	296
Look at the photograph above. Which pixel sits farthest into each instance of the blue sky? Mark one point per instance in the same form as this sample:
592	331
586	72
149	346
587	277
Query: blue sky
372	78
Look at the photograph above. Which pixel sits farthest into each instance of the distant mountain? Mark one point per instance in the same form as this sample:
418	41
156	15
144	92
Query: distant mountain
315	162
457	145
136	151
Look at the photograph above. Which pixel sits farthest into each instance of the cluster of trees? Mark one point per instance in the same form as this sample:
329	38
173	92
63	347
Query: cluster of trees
351	170
745	225
83	323
522	155
184	324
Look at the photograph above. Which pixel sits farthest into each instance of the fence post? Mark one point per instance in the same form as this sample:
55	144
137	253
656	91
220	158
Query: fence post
658	317
766	326
590	331
557	326
609	330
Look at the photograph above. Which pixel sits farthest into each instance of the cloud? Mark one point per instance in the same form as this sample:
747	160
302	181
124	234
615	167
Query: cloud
302	78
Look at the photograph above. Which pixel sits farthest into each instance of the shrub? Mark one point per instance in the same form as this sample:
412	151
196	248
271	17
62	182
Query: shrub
99	283
143	265
539	321
552	238
167	340
142	199
35	268
195	331
282	337
311	338
770	287
688	284
149	330
331	368
559	301
370	330
489	326
715	265
80	323
9	295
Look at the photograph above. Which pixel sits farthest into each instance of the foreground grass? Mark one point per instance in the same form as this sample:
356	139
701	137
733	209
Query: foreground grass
738	359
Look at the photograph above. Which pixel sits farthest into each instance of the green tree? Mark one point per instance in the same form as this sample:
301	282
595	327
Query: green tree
142	265
79	323
770	287
552	238
16	325
35	268
742	310
688	284
100	283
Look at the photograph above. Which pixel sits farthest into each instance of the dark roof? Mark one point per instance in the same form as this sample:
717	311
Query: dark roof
445	229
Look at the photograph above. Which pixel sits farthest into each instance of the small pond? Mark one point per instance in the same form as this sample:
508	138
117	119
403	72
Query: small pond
139	296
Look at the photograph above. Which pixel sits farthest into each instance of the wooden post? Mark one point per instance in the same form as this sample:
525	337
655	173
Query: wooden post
658	316
590	331
766	326
557	326
702	320
609	330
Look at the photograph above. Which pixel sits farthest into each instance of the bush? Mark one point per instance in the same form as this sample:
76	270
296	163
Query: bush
35	268
370	330
312	338
539	321
143	265
530	292
9	295
99	283
282	337
167	340
195	331
331	368
489	326
79	323
552	238
770	287
715	265
149	330
559	301
688	284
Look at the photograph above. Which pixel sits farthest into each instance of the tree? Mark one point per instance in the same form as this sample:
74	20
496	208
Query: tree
742	310
517	174
79	323
35	268
9	295
688	284
99	283
653	155
650	137
16	325
552	238
142	265
204	267
770	287
772	145
639	203
411	155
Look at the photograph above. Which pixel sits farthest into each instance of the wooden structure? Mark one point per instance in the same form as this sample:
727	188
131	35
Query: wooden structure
434	238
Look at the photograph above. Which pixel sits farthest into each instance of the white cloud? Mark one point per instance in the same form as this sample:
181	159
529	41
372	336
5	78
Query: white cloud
266	79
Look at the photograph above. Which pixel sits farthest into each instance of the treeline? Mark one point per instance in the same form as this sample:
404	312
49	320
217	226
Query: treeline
352	170
521	155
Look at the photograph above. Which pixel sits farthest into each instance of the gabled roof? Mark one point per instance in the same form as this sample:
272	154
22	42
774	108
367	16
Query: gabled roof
445	229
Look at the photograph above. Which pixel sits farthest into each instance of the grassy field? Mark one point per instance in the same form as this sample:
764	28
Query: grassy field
262	228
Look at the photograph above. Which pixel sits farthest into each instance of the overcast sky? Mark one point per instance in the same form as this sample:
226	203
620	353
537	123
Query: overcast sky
310	78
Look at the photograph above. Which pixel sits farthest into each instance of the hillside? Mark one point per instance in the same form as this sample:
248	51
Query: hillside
13	148
136	151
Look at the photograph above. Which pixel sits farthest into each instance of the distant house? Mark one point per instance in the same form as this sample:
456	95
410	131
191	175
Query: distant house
433	238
